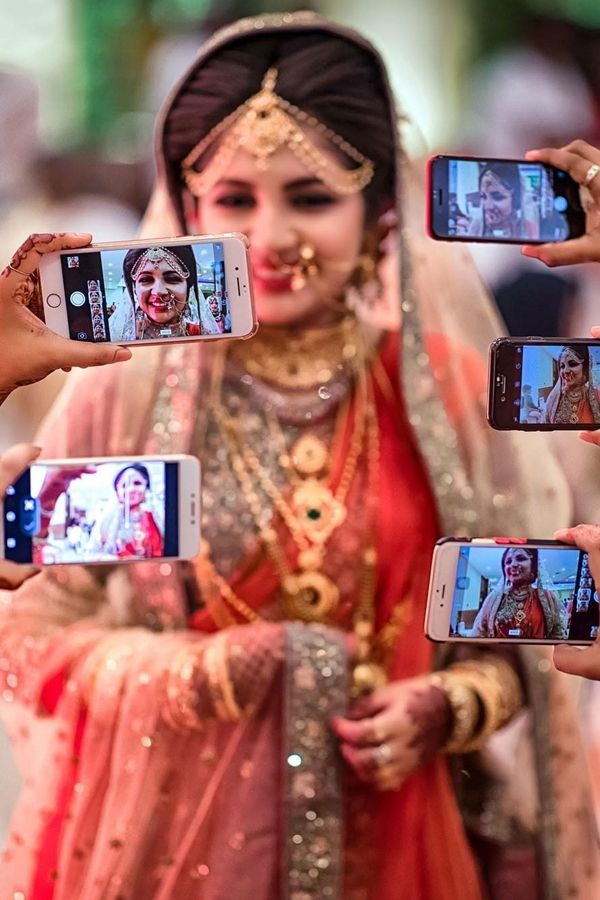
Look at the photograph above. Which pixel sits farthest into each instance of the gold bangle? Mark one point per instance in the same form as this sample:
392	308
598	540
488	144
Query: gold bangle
464	706
181	708
221	686
498	689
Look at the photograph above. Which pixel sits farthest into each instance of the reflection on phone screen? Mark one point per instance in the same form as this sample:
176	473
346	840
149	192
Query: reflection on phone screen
544	593
93	514
503	201
558	384
146	293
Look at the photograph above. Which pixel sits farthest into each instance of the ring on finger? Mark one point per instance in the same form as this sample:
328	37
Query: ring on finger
382	754
591	174
388	778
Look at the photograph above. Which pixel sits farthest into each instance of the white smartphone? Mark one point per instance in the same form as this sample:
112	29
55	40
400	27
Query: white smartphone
143	292
511	590
103	510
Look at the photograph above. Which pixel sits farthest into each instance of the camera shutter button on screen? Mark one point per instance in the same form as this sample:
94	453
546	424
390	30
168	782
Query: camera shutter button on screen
53	301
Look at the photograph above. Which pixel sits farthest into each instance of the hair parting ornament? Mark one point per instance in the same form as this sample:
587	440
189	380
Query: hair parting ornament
156	255
261	125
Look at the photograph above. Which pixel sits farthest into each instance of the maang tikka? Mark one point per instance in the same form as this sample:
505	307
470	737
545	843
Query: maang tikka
261	125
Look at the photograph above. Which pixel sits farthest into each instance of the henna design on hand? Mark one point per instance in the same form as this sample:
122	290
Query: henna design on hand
30	244
430	712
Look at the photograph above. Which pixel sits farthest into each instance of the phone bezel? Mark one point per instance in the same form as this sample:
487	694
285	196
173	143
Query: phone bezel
440	595
433	187
188	500
495	370
244	323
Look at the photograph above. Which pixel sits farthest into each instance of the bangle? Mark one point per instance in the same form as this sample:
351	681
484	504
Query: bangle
220	684
181	708
464	706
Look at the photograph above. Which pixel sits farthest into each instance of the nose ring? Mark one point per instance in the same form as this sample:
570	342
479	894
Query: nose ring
306	266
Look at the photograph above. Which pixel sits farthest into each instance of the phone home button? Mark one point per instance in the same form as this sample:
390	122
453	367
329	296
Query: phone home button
53	300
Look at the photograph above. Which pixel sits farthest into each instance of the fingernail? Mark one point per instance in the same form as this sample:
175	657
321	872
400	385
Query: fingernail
561	533
122	354
37	449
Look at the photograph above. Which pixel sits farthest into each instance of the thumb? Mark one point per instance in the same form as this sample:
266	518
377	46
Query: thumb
577	661
67	353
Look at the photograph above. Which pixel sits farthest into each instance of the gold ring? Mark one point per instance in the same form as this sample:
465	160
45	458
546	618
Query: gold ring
591	174
22	274
383	755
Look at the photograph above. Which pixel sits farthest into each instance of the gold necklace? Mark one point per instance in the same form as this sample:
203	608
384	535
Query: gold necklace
300	359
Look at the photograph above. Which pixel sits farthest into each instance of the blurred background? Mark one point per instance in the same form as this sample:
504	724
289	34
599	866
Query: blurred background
81	81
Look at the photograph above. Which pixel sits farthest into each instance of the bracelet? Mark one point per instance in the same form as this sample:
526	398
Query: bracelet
181	708
464	706
220	684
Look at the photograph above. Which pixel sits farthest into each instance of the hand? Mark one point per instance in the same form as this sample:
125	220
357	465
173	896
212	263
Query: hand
29	350
576	159
394	730
576	660
12	463
56	483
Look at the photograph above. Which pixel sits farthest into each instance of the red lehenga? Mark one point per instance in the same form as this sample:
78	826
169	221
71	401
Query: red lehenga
151	785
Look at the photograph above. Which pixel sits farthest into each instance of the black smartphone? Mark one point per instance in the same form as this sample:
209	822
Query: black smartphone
544	384
504	201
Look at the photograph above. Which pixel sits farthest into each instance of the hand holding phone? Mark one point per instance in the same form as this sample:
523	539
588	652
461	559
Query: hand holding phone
28	349
582	162
509	590
144	292
585	664
104	510
542	384
502	201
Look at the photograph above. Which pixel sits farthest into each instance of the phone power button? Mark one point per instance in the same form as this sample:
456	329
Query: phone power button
53	301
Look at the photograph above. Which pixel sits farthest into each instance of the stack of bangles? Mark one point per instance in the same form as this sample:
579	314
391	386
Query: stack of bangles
483	696
208	659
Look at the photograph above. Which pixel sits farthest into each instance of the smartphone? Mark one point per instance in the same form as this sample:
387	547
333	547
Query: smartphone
511	590
544	384
502	201
144	292
103	510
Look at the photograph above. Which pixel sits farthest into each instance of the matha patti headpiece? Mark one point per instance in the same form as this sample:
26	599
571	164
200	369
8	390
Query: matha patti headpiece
264	123
156	255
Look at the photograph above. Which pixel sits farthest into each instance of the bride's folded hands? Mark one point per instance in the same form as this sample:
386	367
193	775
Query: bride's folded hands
29	350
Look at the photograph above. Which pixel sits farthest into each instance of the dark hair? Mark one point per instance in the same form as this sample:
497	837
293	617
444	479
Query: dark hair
531	552
582	353
508	175
325	75
140	469
183	252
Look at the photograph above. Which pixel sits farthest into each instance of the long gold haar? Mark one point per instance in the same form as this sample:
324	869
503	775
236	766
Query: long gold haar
311	515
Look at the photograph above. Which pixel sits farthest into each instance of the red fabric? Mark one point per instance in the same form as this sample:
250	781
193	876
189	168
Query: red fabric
152	543
424	852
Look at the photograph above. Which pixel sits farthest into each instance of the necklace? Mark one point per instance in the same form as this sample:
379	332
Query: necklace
301	359
568	406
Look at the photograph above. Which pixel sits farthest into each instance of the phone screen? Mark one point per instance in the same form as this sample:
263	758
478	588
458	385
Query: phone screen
93	514
546	385
504	201
532	593
176	290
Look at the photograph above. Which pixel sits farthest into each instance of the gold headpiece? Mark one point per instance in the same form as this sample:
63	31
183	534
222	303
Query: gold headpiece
159	254
264	123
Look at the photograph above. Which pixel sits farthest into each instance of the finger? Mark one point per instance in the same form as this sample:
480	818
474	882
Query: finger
13	575
590	437
14	461
566	253
571	159
586	537
595	331
27	258
579	661
368	760
67	353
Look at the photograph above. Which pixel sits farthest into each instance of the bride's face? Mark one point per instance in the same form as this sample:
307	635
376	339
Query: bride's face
280	209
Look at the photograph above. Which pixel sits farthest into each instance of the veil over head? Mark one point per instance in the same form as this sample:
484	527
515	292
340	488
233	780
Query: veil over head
485	482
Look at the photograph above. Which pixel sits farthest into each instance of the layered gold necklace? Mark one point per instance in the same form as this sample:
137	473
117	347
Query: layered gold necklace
313	509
